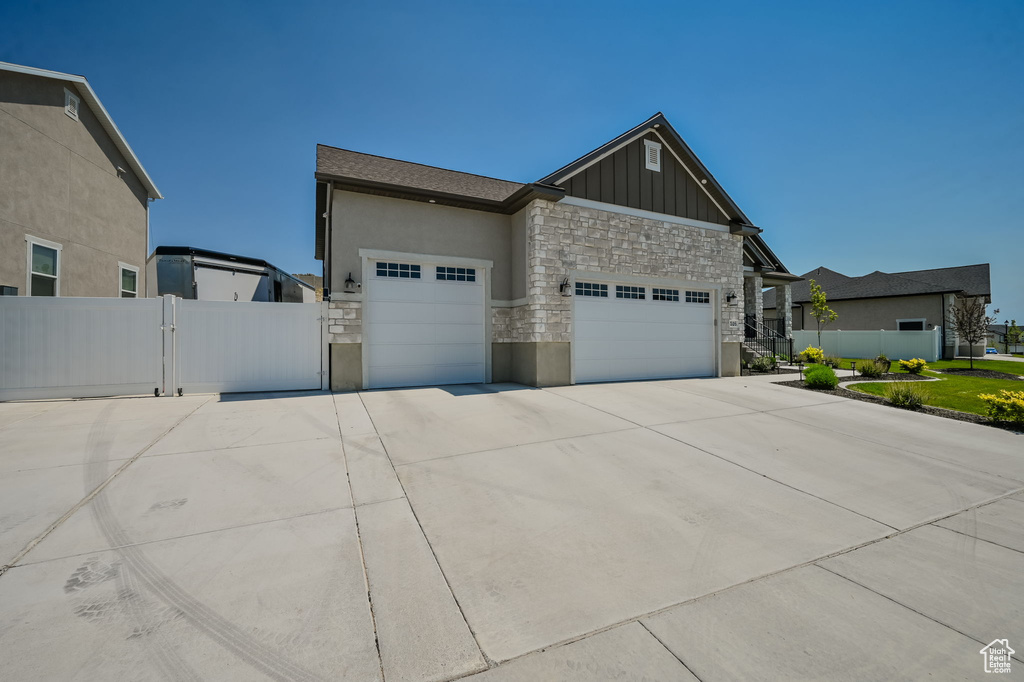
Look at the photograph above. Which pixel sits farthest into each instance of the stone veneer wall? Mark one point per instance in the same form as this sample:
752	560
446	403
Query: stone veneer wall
345	321
562	237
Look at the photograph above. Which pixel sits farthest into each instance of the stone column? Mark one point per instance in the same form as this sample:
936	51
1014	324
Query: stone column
784	306
753	296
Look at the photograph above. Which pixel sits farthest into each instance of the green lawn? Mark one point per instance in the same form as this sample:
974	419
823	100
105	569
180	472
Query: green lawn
953	392
1008	366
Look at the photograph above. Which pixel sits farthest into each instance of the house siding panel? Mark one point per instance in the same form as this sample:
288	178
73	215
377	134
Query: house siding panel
622	179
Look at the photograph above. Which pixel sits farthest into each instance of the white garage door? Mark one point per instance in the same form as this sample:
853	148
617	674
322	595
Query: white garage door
424	325
627	332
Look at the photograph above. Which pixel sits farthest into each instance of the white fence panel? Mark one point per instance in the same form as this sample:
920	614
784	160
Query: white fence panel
248	346
79	347
895	345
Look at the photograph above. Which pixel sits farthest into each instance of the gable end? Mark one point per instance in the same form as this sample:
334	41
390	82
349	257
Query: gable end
624	179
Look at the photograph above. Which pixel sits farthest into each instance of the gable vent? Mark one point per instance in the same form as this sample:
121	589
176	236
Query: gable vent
71	104
652	155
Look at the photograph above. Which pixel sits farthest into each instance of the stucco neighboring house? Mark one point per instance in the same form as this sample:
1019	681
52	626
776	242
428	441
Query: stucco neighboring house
917	300
74	198
630	262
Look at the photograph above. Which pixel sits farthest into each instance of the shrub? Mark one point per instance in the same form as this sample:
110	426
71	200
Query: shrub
908	394
885	362
831	361
1007	406
881	358
765	363
871	369
812	354
913	366
820	376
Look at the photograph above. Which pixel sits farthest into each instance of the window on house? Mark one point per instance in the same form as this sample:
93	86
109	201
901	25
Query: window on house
622	291
652	155
456	274
43	267
591	289
403	270
910	325
698	297
664	294
129	280
71	104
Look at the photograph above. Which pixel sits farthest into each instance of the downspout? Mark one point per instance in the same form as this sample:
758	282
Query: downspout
327	239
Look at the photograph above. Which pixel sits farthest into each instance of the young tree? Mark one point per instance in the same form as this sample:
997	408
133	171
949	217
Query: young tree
969	321
820	310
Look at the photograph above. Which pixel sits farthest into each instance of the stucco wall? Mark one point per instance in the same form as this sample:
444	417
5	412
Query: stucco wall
59	181
880	313
367	221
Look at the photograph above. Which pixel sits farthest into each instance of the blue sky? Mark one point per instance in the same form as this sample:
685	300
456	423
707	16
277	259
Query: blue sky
861	136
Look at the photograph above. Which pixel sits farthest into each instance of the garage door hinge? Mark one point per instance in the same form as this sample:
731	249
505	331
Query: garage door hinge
165	327
321	373
321	319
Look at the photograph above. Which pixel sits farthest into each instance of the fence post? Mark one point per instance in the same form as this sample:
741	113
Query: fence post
325	345
170	345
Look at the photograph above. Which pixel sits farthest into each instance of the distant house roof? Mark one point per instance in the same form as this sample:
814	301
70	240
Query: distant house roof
83	87
971	280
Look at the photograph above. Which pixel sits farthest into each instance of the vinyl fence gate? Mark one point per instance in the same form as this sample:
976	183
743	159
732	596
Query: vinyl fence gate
88	347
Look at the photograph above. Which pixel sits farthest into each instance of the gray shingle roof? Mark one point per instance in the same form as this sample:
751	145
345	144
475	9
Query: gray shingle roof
343	163
973	280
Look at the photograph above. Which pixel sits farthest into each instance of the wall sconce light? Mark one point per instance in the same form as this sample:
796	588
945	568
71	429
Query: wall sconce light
564	288
730	297
350	285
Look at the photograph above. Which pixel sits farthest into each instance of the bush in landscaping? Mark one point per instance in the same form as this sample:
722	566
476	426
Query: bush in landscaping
765	363
1008	406
908	394
831	361
812	354
870	369
913	366
820	376
885	362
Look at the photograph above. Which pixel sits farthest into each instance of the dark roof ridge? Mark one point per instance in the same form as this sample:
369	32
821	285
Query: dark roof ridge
424	165
950	267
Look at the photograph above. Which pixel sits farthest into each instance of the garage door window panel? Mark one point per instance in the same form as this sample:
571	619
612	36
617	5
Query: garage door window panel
398	270
449	274
628	292
698	297
592	289
668	295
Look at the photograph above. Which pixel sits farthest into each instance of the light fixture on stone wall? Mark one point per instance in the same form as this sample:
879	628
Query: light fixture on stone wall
730	297
564	288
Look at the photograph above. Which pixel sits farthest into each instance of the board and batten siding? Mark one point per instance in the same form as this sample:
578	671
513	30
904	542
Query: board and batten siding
622	179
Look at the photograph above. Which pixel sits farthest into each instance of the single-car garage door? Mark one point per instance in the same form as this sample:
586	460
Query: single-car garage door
627	332
424	325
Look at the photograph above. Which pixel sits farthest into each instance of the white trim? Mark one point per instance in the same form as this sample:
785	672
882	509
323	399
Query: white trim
423	259
632	139
640	213
30	240
69	99
649	146
120	290
101	113
922	320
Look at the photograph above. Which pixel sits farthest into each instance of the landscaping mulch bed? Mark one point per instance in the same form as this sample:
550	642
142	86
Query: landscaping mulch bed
980	373
926	409
754	373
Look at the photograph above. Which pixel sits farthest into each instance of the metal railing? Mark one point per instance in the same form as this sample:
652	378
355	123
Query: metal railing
768	338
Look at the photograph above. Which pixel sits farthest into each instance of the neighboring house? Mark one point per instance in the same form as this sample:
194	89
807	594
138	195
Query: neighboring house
628	263
205	275
997	338
74	199
904	301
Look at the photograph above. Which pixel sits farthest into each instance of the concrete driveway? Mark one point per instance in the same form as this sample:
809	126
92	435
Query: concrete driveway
697	529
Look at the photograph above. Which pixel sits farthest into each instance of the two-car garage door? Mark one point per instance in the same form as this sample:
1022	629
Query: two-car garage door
625	332
424	324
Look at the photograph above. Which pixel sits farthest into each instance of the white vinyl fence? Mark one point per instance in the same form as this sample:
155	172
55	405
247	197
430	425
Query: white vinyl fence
868	344
88	347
